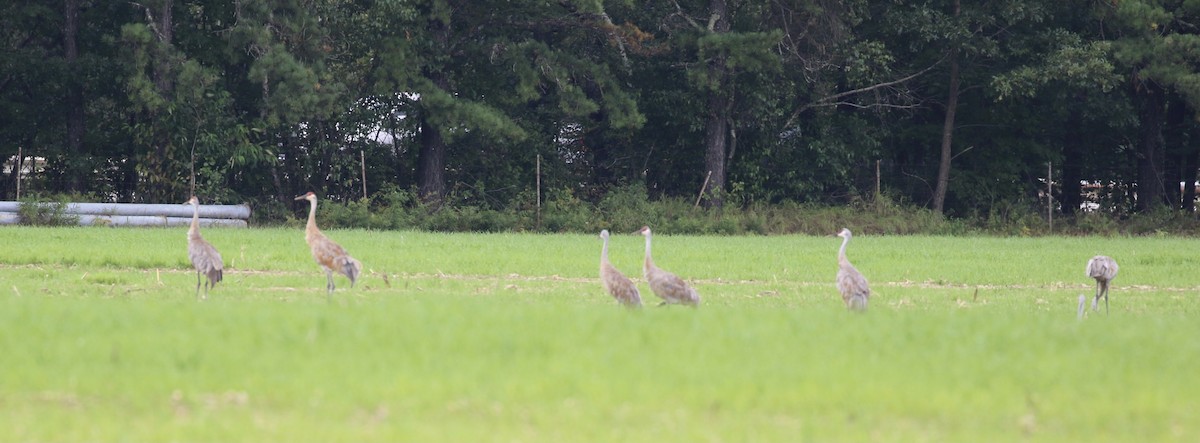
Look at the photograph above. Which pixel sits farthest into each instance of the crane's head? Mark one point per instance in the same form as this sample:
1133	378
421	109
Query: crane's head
309	196
845	233
644	231
192	201
604	234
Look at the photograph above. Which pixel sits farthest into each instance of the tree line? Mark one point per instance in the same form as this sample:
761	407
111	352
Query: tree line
955	106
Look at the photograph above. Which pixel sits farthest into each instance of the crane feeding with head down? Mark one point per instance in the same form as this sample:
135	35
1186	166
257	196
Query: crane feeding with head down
203	255
616	283
672	289
850	282
331	256
1103	269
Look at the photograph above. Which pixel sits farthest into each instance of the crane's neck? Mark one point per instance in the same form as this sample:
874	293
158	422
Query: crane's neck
312	216
649	262
604	251
194	231
842	252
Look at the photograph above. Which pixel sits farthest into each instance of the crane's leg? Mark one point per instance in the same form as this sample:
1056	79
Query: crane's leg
1105	298
329	284
197	283
1082	302
1097	299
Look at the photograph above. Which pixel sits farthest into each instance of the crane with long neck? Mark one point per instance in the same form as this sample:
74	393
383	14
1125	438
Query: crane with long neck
330	255
850	282
203	255
667	286
616	283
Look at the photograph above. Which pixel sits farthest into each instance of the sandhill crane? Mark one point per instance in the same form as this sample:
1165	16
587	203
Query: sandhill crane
672	289
328	254
616	283
203	255
1103	269
850	282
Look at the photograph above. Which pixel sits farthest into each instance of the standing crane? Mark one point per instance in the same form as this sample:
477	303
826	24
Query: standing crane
672	289
616	283
203	255
850	282
328	254
1102	268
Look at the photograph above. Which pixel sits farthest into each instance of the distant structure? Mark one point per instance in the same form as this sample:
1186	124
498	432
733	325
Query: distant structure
850	282
666	285
1104	269
616	283
328	254
203	255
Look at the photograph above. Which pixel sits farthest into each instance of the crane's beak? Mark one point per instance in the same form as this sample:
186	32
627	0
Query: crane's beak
300	197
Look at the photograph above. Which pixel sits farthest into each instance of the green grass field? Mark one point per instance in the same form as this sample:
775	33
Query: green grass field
509	337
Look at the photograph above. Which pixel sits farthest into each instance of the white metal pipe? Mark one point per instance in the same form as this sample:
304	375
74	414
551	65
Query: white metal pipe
170	210
12	218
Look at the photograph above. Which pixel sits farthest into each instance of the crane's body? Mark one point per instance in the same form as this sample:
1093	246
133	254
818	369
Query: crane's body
331	256
616	283
1104	270
851	283
203	255
667	286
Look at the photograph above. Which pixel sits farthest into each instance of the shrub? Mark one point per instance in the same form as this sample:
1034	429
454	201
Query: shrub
51	212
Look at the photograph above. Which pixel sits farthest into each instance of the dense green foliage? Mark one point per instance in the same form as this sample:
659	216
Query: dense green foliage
499	337
958	107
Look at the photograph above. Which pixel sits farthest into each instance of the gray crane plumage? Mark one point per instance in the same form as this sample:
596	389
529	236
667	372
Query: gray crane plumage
850	282
616	283
667	286
203	255
1104	270
327	253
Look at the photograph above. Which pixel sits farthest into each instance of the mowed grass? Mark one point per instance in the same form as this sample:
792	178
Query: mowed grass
508	337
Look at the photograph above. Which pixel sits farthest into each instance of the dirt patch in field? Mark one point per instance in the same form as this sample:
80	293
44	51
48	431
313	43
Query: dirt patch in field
388	279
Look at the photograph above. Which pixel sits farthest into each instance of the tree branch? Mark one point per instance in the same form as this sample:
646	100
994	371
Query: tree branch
826	101
689	19
150	21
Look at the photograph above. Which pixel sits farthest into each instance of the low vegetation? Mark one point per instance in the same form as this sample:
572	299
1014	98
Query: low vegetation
627	209
500	337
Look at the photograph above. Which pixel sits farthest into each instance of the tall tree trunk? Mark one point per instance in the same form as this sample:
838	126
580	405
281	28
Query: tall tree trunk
1174	151
943	176
597	141
431	159
431	162
166	33
74	103
1150	177
717	125
1074	145
162	183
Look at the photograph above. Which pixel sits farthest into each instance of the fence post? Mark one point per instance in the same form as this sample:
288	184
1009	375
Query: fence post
1050	194
539	191
362	157
20	167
